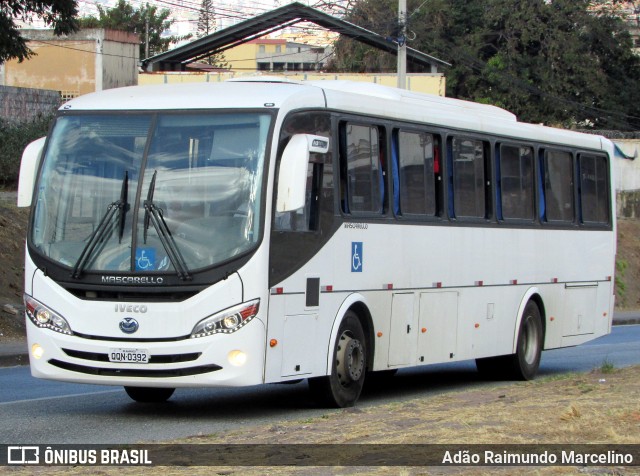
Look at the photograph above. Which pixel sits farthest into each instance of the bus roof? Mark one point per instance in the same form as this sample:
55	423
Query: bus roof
348	96
185	96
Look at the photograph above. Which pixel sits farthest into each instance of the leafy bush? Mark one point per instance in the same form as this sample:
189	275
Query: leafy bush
14	137
620	286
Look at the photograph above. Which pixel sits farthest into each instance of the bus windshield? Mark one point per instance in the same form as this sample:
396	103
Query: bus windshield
158	193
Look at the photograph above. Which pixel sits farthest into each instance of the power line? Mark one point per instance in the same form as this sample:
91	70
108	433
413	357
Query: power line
83	51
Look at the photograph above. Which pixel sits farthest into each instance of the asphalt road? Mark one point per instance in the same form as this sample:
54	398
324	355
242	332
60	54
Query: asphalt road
38	411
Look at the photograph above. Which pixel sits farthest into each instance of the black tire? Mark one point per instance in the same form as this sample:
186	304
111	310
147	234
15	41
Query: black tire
343	386
492	368
149	394
380	379
526	361
524	364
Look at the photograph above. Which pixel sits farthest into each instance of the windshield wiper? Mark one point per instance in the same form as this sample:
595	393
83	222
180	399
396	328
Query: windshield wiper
124	206
153	215
102	230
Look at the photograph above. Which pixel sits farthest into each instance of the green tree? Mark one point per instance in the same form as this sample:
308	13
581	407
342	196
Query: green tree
206	18
146	21
564	62
61	14
207	26
559	62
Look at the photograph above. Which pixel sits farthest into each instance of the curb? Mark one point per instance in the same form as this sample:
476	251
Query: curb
13	360
626	322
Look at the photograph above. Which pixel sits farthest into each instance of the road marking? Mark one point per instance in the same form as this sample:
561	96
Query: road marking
73	395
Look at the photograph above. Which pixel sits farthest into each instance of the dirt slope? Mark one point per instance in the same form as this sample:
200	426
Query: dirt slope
13	222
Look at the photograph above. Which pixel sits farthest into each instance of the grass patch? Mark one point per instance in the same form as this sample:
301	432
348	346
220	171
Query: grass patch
607	367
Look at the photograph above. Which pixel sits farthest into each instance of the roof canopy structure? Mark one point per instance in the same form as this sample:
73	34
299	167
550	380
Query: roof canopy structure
274	20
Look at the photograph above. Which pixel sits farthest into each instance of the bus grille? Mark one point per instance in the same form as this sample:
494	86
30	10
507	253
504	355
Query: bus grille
154	359
158	373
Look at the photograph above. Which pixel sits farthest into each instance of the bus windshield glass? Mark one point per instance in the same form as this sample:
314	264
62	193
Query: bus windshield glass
158	193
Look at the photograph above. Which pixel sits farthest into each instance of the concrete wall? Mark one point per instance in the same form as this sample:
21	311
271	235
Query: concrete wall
26	104
120	60
627	179
87	61
423	83
627	172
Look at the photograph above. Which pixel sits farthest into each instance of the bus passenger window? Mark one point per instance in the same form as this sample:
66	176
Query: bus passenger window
516	182
594	189
361	169
558	185
417	173
468	180
319	191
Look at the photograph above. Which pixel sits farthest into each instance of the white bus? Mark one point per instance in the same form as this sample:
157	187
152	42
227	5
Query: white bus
257	231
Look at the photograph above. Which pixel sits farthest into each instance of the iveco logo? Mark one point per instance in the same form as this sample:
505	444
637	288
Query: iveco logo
137	308
129	325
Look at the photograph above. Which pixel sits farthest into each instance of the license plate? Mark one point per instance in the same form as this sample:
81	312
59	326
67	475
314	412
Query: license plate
129	356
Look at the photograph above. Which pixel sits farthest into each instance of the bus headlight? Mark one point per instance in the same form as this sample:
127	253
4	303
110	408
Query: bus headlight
227	321
44	317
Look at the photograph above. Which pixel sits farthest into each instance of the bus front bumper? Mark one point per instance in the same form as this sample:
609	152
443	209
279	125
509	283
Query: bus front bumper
218	360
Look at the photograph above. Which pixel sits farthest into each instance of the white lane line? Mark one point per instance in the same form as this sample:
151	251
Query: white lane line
73	395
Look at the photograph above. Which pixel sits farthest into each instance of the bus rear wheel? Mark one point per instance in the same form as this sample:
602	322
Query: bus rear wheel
149	394
343	386
524	364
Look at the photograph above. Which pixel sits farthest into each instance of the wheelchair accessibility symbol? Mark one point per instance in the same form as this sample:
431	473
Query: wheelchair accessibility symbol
145	259
356	257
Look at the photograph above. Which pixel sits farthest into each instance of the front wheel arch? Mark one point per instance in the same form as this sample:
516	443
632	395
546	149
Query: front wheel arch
532	294
357	304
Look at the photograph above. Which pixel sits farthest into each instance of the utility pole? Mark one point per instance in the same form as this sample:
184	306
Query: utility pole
402	44
146	33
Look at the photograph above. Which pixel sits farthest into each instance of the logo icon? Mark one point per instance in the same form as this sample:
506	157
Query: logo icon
23	455
129	325
145	259
356	257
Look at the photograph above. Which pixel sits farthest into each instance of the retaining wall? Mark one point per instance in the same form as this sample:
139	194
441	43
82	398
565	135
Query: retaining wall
26	104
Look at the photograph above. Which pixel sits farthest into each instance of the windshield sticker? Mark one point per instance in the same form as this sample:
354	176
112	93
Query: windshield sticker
356	257
145	259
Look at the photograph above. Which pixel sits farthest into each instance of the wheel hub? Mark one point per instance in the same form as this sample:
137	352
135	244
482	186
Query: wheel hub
530	341
350	359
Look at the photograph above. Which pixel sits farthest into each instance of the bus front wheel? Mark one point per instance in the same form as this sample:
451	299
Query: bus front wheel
149	394
523	365
349	364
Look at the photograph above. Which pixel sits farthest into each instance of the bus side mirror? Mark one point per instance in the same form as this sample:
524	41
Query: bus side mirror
292	178
28	168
